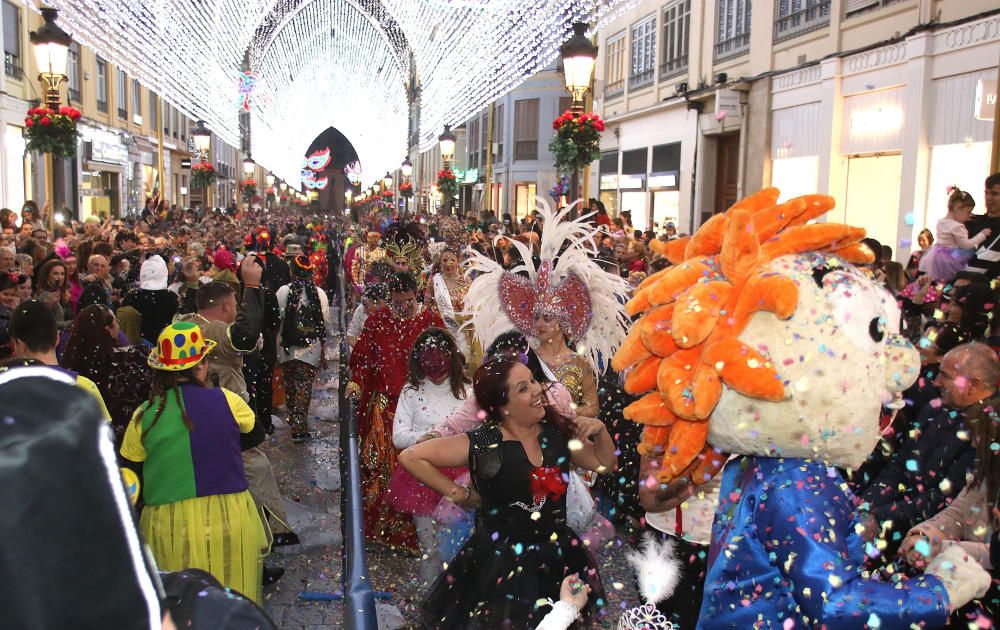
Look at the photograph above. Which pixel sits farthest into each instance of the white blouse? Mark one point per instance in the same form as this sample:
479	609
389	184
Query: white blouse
419	409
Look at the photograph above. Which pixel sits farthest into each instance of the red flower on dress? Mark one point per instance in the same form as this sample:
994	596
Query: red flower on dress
547	481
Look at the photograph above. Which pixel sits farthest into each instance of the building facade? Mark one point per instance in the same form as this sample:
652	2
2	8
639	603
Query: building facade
116	168
834	96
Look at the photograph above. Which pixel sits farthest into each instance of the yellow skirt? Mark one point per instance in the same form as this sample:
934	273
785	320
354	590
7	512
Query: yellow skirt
221	534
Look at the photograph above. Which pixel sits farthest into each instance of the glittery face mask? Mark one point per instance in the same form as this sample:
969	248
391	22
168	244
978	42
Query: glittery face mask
436	363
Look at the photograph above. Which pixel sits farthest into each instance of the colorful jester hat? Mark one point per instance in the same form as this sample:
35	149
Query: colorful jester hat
756	338
586	300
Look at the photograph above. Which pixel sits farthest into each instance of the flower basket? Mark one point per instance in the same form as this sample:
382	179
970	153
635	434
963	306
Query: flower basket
202	175
387	195
446	183
249	188
48	131
577	140
406	190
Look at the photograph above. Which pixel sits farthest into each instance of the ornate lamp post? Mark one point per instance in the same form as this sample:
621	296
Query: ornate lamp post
51	47
269	179
407	170
447	143
202	137
579	55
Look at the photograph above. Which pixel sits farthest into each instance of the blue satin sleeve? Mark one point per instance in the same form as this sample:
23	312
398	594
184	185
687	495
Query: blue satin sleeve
808	530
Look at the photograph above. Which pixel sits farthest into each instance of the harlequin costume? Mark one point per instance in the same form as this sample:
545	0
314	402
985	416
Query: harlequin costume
363	257
198	511
379	369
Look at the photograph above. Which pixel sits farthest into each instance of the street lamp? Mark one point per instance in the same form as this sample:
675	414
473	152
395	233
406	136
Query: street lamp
51	47
202	139
283	186
447	140
376	186
387	181
407	168
248	165
269	178
579	56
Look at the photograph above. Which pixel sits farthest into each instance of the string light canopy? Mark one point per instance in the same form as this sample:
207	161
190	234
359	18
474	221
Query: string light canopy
321	63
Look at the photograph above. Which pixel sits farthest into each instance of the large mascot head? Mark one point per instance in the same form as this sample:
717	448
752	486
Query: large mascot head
763	339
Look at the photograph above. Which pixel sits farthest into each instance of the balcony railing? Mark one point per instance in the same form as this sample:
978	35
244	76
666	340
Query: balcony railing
102	106
640	79
612	90
74	94
673	67
813	17
12	66
733	47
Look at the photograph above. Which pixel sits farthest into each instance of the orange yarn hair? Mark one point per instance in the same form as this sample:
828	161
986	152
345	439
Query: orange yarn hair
685	346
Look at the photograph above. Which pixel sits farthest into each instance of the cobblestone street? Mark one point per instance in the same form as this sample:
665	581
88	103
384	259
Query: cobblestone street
310	482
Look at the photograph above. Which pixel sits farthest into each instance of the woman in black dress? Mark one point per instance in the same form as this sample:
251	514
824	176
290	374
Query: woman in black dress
521	548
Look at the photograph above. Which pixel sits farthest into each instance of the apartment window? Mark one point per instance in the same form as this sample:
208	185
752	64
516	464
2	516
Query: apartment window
137	100
795	17
676	36
122	94
643	53
733	35
166	119
498	132
73	69
12	65
473	139
526	129
615	71
484	140
177	122
565	102
102	85
154	115
854	7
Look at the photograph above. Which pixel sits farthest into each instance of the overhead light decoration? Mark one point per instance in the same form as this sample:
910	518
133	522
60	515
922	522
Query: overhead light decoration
202	45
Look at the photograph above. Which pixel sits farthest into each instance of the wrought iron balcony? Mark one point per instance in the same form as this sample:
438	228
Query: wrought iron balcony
810	18
641	79
12	66
613	90
733	47
673	67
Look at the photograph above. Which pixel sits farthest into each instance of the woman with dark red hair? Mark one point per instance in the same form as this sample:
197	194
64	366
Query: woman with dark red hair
521	548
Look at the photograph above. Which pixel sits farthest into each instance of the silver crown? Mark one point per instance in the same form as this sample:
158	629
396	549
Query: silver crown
645	617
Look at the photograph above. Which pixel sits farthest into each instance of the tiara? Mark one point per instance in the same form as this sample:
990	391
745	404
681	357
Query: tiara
645	617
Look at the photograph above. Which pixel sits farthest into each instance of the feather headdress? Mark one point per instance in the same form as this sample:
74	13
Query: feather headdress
567	283
658	571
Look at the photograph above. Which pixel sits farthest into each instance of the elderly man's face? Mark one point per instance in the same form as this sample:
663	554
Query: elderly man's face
6	260
98	266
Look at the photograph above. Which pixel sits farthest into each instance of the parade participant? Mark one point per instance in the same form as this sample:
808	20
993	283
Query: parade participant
97	283
521	548
447	289
726	349
437	386
305	317
566	299
987	258
155	304
53	290
376	296
198	512
120	372
364	256
378	372
33	333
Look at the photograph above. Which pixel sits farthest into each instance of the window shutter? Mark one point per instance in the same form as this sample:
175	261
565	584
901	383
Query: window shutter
850	6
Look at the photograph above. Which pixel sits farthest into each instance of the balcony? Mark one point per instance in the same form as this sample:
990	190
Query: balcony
74	94
102	106
814	16
641	79
673	67
615	89
732	47
12	66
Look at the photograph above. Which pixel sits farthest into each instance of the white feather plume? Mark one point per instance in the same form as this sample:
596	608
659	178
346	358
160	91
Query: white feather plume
568	245
656	567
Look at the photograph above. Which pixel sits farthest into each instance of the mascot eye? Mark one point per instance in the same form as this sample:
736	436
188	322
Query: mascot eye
876	329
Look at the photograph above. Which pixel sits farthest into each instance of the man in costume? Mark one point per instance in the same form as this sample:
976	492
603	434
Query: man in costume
764	341
363	257
378	372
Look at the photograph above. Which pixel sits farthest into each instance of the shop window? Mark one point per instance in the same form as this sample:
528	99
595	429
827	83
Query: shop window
643	53
666	209
13	65
733	32
524	200
676	36
526	129
16	165
795	17
615	66
102	85
73	70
